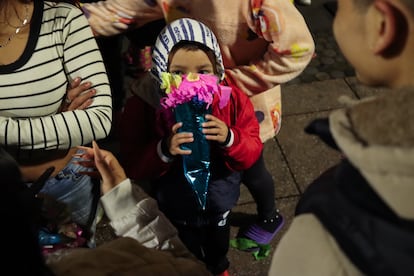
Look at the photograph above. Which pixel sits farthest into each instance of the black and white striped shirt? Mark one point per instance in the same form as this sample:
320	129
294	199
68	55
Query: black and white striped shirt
60	47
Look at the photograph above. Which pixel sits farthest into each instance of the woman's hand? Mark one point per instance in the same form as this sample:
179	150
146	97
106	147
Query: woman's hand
103	20
215	129
77	96
109	169
176	139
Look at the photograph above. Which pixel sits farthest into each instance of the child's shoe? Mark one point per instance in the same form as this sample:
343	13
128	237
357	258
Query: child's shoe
264	231
257	237
224	273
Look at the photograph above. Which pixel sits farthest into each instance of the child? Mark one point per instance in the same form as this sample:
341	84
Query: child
265	43
188	46
357	218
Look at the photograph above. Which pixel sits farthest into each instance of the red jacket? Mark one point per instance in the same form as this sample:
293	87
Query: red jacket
143	126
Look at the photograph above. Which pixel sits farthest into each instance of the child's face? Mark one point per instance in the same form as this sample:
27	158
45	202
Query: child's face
189	61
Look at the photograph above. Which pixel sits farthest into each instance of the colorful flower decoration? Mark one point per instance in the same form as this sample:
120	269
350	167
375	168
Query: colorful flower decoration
182	89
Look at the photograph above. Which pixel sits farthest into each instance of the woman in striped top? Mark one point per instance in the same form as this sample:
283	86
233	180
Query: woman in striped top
44	46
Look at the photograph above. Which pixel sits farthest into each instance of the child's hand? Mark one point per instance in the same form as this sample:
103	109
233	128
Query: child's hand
215	129
176	139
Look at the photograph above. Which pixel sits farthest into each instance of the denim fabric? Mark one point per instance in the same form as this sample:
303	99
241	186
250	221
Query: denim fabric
75	190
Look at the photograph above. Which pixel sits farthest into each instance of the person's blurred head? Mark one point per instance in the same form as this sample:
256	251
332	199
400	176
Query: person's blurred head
18	234
377	38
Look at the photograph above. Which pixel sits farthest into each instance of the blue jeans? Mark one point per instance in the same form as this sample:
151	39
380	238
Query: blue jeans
77	192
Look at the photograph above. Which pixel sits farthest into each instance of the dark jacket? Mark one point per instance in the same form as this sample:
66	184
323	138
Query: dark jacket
357	218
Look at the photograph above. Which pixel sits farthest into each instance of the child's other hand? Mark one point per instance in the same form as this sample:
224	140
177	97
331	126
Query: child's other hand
176	139
215	129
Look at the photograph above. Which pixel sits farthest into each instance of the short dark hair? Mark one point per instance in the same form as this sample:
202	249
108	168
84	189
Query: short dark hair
362	5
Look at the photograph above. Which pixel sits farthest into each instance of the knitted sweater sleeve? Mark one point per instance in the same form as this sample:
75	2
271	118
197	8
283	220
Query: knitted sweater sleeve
65	49
290	46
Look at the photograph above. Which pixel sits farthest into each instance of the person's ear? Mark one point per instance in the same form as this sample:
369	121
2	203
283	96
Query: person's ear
384	26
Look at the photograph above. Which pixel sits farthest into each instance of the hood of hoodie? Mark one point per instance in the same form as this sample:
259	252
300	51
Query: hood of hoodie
377	136
184	29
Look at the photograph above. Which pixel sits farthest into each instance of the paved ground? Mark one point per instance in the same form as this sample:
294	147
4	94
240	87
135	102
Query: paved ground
294	158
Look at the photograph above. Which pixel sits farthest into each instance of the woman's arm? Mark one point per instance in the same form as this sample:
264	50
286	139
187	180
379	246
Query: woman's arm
112	17
131	211
77	55
290	46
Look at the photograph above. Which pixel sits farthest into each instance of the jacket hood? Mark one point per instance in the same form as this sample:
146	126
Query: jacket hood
184	29
377	136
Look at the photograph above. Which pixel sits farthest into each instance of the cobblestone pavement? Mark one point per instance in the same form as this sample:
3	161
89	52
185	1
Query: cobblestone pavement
328	62
293	158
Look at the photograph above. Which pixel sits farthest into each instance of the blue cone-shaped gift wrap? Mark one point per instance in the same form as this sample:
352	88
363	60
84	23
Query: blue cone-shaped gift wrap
197	164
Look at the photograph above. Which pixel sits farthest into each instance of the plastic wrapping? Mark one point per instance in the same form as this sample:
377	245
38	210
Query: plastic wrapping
191	97
197	164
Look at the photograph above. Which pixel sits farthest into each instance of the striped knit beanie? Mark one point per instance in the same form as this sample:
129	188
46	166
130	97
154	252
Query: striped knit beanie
184	29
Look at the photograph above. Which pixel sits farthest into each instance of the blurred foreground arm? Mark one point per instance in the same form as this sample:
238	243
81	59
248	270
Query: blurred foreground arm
131	211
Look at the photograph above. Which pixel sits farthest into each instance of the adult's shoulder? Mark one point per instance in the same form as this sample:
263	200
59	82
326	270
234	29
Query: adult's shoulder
308	243
53	10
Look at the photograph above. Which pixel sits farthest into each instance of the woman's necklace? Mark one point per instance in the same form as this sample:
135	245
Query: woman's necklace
24	22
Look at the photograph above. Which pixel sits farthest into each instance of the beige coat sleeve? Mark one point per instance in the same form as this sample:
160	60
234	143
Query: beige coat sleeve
135	214
290	46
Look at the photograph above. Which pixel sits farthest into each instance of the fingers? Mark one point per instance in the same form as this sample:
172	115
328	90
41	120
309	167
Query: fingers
82	101
86	159
176	126
177	139
92	158
78	96
98	9
121	10
75	83
100	164
87	152
215	129
85	104
108	166
87	163
103	20
76	89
